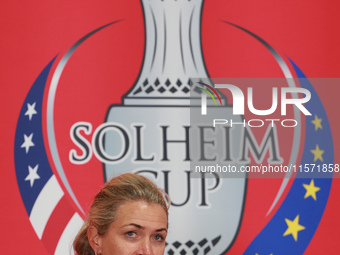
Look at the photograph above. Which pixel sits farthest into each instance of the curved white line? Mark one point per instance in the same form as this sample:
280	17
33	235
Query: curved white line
297	131
50	112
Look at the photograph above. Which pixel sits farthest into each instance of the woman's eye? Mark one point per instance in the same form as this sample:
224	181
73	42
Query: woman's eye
131	234
158	238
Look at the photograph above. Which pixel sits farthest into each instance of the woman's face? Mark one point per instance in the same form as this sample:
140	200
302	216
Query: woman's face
139	228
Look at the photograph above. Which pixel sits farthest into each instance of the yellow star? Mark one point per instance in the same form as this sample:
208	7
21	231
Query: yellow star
293	228
317	153
317	122
311	190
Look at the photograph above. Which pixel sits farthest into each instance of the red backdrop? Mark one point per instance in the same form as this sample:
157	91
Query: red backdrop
34	32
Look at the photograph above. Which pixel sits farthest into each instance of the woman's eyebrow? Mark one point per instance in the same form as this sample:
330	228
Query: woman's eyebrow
161	229
141	227
133	224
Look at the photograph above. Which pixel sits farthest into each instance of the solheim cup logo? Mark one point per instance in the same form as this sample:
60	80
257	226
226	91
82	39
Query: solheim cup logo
153	133
177	128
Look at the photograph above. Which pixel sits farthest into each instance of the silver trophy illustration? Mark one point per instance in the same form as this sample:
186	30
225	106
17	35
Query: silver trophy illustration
159	131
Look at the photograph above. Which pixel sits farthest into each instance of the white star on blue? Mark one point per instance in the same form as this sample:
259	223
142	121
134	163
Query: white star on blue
30	110
28	142
32	175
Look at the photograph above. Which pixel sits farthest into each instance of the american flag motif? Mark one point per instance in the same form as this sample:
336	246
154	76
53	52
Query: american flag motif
53	218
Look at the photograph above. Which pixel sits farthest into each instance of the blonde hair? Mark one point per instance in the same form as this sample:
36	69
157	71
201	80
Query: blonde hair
103	211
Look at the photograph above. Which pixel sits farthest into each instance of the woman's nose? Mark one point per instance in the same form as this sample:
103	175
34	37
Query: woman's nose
145	247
